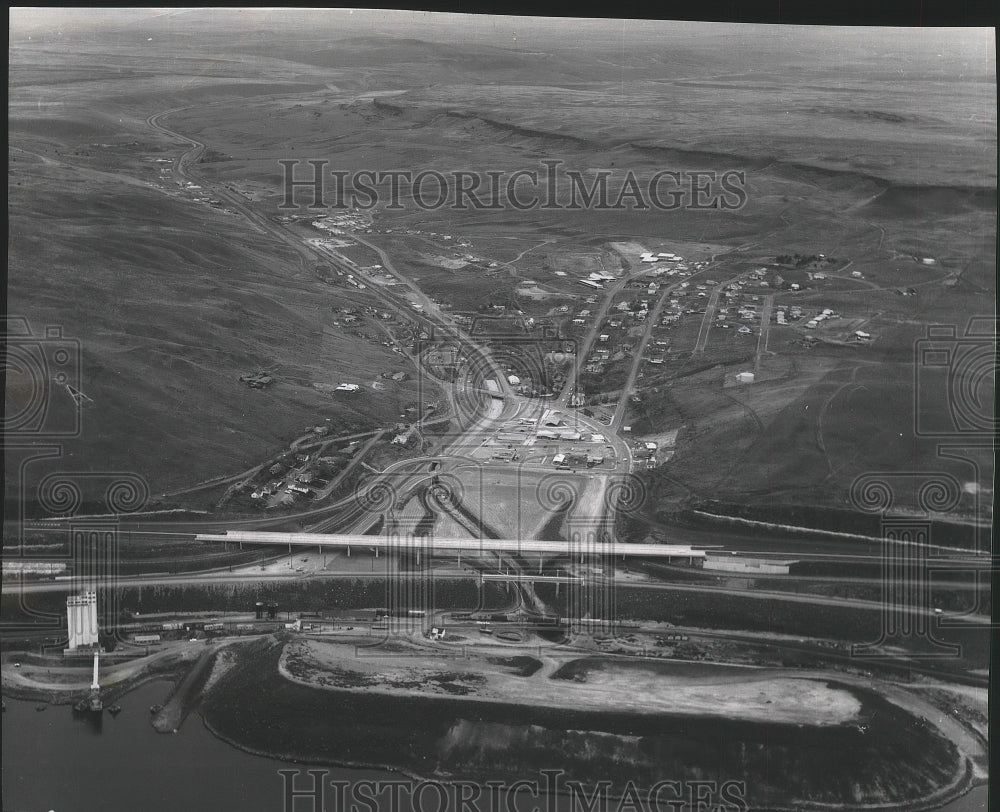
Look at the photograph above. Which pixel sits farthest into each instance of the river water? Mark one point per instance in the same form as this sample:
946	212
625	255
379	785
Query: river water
54	761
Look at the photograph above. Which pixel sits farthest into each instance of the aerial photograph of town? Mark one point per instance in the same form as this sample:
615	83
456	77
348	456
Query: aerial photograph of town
435	412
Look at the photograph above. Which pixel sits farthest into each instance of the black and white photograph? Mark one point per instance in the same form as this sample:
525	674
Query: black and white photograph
447	411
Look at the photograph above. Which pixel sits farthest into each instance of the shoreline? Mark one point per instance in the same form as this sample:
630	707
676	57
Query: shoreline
962	786
966	778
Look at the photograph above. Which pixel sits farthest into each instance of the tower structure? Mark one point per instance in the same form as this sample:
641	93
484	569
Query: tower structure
81	619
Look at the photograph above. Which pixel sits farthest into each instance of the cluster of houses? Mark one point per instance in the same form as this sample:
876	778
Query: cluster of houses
816	320
291	480
597	279
342	223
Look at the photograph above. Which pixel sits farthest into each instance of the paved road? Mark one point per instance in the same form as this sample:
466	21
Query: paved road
653	318
765	326
583	350
707	320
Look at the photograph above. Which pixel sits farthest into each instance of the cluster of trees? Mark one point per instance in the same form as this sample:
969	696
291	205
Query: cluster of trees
800	261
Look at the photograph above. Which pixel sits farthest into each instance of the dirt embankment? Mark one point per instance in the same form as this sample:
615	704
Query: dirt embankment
186	693
594	684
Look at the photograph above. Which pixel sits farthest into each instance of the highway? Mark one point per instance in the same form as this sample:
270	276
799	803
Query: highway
440	545
352	513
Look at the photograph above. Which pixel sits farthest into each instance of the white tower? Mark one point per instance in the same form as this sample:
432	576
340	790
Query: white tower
81	617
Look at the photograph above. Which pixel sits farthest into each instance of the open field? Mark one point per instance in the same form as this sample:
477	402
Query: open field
221	339
165	307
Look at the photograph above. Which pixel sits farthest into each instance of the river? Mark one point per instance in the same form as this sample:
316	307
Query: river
54	761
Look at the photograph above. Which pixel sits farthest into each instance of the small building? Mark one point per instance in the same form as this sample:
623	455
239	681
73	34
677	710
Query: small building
722	562
744	377
861	335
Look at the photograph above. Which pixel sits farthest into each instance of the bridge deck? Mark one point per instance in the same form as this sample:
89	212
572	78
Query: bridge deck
472	545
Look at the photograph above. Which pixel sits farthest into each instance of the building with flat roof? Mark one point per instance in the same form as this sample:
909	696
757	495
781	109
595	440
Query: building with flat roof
723	562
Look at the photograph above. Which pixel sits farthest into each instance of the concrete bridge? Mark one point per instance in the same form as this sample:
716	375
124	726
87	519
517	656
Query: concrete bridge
428	545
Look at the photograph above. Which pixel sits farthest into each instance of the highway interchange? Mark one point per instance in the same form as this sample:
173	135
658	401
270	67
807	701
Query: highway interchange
486	419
